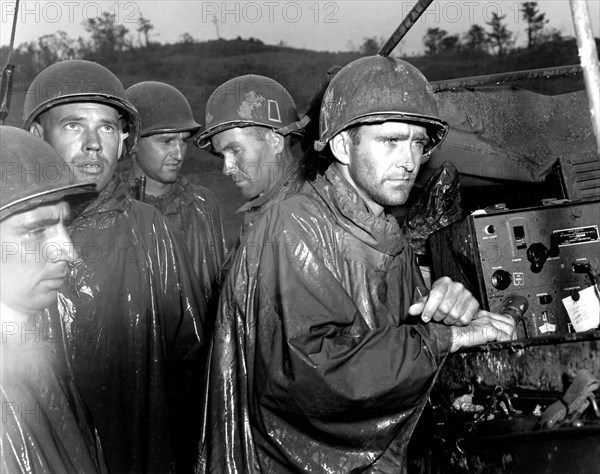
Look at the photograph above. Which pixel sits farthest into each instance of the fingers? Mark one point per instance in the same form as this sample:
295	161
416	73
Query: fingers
449	302
503	324
417	308
465	312
485	327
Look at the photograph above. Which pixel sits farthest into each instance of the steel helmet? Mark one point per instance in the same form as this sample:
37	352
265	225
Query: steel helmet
250	100
76	80
162	108
377	89
33	173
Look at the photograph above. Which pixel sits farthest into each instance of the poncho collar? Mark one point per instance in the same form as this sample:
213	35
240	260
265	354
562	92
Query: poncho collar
382	232
105	200
288	178
174	199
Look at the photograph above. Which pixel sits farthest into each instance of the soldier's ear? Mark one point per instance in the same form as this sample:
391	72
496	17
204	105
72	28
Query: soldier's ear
37	129
340	147
276	140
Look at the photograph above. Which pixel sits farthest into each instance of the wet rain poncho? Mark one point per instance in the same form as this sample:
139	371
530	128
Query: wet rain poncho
316	365
196	213
45	428
290	182
132	320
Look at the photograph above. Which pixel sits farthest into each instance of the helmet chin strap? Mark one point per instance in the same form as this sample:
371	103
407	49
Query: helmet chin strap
124	136
295	126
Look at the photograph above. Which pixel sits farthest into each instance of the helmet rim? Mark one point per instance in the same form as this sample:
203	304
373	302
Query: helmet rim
96	98
390	116
84	192
203	139
29	182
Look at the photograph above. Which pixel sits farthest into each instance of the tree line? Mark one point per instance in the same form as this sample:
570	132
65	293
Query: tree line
110	42
497	40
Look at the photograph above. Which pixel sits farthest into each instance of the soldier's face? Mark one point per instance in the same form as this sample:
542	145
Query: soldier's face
384	164
249	157
88	136
161	156
36	249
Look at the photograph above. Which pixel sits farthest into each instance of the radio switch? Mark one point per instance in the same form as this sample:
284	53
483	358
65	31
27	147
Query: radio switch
519	233
545	299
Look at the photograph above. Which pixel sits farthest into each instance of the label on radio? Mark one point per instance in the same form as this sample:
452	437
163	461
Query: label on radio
576	236
519	279
585	312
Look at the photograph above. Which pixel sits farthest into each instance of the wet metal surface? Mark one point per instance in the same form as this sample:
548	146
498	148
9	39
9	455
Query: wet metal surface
506	133
523	365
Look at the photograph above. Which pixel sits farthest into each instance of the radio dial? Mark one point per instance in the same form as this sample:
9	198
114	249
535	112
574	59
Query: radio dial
501	279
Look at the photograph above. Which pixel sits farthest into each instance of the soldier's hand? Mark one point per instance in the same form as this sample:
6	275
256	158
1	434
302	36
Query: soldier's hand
448	302
485	327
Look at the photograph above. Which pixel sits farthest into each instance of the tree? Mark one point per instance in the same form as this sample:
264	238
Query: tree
433	41
535	22
107	35
370	46
476	39
34	56
500	37
450	44
56	47
144	27
438	41
186	38
215	20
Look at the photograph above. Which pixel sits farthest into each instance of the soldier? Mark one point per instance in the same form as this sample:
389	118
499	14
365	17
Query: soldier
324	347
131	313
44	426
167	125
253	125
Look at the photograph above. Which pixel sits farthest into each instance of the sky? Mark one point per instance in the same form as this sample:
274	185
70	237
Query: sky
318	25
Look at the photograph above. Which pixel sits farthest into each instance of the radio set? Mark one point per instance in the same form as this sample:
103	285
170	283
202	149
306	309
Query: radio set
543	254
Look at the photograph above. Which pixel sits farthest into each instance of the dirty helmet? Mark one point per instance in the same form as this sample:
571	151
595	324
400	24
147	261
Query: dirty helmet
76	80
247	101
377	89
33	173
162	108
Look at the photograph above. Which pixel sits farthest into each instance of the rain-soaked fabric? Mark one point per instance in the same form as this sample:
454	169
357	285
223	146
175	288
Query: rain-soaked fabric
45	428
132	317
438	206
316	365
196	213
290	182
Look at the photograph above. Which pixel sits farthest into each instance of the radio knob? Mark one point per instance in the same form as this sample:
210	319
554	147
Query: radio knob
537	254
501	279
